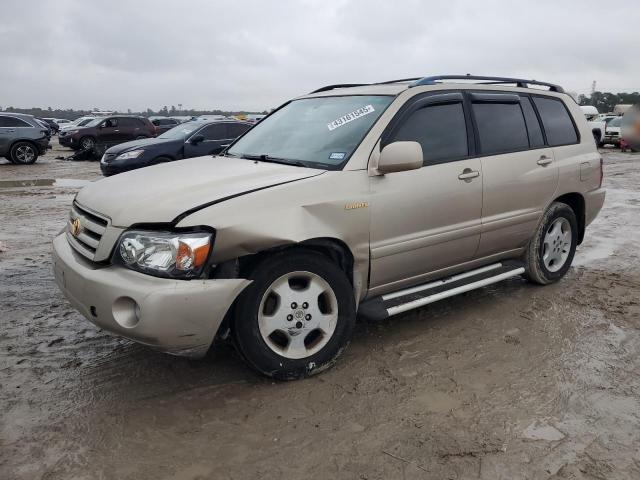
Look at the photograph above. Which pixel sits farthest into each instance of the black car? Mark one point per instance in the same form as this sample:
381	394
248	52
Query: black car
187	140
53	125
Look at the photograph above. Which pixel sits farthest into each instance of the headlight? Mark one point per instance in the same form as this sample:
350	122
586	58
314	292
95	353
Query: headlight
131	154
72	132
165	254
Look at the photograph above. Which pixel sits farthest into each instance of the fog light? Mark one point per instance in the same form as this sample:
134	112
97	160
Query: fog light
126	312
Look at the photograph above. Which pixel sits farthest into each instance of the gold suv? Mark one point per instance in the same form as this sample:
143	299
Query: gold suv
355	199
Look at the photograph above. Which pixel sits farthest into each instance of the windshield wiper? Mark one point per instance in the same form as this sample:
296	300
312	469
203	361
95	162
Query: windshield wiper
267	158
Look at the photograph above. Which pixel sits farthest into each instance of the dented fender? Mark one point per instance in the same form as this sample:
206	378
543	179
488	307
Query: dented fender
334	205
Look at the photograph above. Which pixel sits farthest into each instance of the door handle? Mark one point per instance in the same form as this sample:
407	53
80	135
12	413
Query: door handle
116	130
468	174
544	161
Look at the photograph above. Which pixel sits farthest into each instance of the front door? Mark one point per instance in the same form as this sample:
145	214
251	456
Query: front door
109	131
429	219
214	135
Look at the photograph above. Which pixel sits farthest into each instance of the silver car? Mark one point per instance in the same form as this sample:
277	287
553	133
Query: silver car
355	199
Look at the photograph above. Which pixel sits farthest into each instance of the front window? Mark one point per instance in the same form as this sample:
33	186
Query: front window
319	132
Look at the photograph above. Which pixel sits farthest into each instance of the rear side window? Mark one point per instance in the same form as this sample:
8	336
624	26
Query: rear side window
556	121
237	129
501	127
536	139
441	130
12	122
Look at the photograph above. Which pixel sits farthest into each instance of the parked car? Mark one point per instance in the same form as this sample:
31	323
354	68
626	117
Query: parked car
376	199
191	139
612	132
62	122
51	123
107	130
164	124
78	122
22	138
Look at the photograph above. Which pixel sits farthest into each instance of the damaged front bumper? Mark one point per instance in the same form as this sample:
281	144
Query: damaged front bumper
175	316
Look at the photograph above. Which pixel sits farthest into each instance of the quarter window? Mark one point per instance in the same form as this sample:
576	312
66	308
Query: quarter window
556	121
501	127
441	131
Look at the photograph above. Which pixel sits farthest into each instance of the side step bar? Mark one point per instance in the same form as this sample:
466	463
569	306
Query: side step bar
407	299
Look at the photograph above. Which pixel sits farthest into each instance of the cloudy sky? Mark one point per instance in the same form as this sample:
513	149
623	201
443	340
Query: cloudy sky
242	54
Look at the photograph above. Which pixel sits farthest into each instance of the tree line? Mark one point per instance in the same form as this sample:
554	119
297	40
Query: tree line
605	101
71	114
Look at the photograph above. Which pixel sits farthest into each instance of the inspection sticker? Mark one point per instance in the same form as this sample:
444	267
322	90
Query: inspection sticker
350	117
337	156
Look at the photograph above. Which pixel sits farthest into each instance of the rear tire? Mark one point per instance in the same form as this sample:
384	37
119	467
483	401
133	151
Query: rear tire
23	153
553	246
296	317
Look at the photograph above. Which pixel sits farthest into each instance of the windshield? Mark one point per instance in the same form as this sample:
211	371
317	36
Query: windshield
321	132
615	122
93	123
181	131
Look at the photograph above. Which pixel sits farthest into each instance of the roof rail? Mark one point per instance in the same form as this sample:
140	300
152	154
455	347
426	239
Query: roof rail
339	85
520	82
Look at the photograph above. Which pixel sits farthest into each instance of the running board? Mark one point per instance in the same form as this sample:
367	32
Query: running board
390	304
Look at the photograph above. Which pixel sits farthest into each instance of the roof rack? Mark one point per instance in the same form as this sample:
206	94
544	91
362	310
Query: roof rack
520	82
339	85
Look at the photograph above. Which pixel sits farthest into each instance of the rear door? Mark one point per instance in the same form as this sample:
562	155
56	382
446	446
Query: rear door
428	219
520	173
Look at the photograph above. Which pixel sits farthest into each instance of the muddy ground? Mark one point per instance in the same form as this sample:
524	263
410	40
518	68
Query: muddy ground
512	381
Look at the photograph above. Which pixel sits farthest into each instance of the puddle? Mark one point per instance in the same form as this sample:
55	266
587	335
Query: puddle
45	182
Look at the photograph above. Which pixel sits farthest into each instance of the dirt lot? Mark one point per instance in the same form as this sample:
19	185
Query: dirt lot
512	381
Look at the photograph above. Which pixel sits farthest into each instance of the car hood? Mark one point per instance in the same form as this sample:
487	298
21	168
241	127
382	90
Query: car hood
161	193
136	144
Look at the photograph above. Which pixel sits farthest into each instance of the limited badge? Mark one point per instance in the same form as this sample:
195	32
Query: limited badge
75	227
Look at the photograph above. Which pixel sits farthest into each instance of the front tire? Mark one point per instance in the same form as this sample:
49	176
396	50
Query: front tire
296	317
23	153
87	143
551	250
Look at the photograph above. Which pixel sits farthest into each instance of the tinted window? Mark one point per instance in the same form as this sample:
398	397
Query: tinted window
440	130
501	127
217	131
111	123
12	122
533	125
556	121
129	122
237	129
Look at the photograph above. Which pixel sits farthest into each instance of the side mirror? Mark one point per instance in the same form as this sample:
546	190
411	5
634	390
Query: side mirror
400	157
196	139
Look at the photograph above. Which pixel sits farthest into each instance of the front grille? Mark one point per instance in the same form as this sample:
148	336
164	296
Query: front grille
92	228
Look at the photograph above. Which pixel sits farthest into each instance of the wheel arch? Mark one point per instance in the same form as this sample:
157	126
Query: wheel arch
575	200
333	248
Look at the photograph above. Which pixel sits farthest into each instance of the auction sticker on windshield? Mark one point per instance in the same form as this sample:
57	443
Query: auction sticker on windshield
350	117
